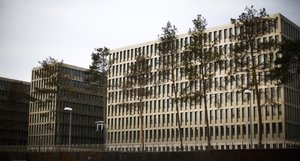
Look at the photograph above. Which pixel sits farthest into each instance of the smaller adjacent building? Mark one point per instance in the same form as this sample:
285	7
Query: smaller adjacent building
14	105
53	88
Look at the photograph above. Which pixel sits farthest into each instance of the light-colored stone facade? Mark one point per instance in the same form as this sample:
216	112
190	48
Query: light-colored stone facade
229	120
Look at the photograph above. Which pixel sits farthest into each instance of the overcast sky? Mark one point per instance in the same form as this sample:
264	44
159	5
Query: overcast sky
69	30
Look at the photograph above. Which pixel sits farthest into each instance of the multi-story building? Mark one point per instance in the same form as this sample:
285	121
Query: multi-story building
49	121
229	122
14	107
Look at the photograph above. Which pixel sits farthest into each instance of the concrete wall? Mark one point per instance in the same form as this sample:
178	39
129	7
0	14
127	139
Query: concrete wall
214	155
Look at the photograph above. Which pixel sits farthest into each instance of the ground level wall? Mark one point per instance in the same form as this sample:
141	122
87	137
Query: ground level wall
214	155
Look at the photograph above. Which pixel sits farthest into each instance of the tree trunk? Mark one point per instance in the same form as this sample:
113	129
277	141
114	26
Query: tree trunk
207	131
178	116
259	114
57	115
257	99
142	125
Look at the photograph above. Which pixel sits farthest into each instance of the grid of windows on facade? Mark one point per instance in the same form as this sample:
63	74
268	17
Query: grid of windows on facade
229	107
289	29
49	122
13	112
71	72
192	120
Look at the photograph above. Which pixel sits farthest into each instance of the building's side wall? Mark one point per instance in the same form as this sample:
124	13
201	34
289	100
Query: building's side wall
291	92
14	107
212	155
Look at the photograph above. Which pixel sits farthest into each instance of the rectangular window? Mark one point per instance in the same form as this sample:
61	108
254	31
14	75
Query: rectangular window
279	110
181	42
226	49
231	98
267	111
210	37
255	129
273	128
280	128
221	99
226	115
243	112
230	32
200	116
217	131
236	32
278	93
273	107
268	128
237	80
226	99
238	129
227	130
232	130
220	35
186	42
243	79
276	39
215	36
237	97
267	95
238	112
221	115
254	112
226	80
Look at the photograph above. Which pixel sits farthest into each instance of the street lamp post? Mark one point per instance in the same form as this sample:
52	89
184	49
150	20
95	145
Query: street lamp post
249	92
69	109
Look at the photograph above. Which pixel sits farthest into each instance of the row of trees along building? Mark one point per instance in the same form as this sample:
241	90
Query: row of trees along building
197	64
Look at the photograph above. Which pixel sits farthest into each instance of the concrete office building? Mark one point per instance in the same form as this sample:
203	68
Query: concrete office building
14	105
229	123
49	121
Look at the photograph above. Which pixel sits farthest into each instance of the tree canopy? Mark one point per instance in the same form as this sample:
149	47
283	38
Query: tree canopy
287	62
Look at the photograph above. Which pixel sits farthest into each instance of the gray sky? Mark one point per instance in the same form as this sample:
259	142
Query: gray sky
32	30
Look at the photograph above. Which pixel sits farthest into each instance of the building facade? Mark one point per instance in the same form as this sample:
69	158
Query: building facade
49	121
14	107
230	126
